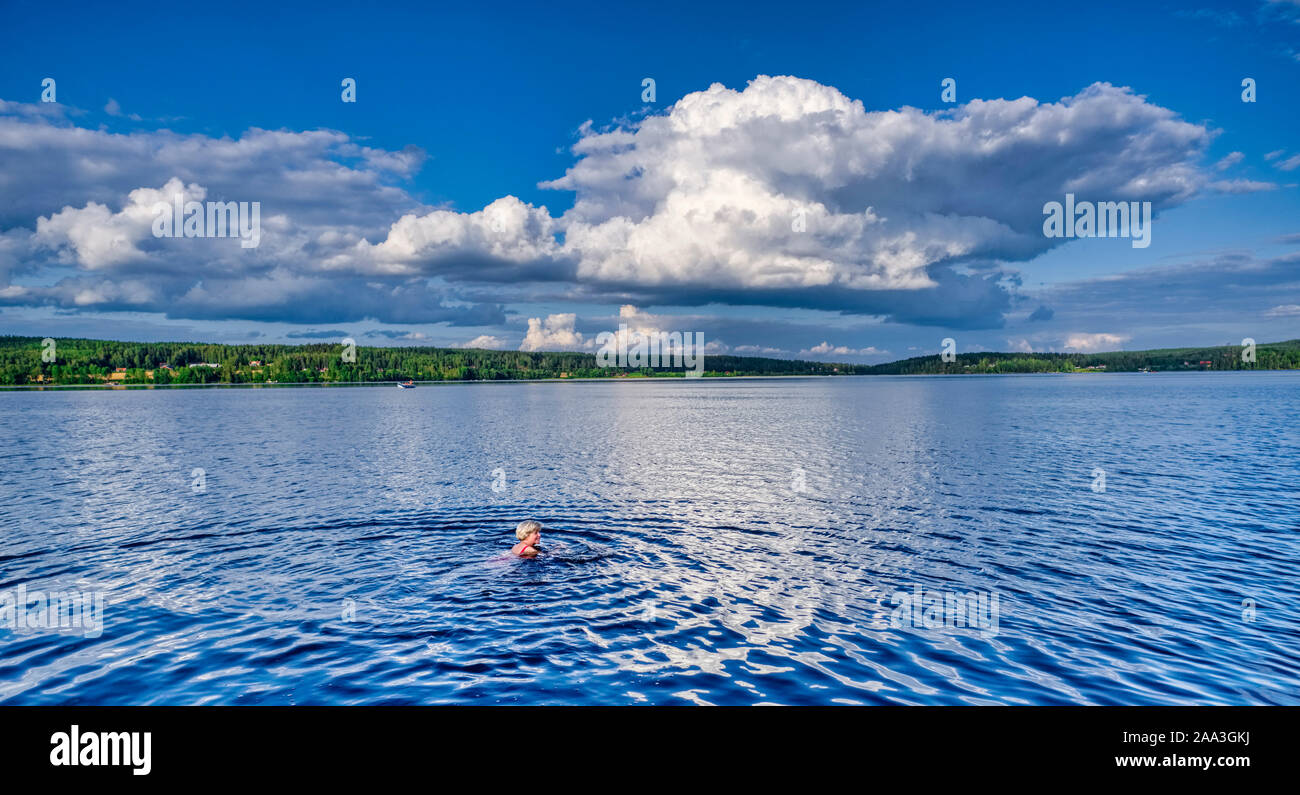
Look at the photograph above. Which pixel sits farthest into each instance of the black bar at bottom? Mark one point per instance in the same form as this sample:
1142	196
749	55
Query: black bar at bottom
333	744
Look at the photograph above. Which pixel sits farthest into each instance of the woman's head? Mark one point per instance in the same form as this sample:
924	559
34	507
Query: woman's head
528	528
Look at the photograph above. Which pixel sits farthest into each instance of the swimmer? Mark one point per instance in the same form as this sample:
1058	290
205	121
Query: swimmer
529	533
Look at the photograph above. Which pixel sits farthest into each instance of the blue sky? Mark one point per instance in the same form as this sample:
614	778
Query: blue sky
922	224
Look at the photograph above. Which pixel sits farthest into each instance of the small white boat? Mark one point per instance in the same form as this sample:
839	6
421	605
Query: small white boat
406	385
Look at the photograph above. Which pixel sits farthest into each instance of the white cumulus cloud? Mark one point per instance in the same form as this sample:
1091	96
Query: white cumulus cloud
556	333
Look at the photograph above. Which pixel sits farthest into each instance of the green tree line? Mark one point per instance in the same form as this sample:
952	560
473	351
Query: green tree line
83	361
1268	356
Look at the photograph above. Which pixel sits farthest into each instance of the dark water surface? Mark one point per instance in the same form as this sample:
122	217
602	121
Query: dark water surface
725	542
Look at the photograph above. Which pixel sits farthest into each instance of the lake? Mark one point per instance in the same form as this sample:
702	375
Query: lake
1086	539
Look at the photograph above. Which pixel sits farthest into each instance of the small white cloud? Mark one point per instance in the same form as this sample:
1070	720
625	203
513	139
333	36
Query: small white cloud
1242	186
1290	164
1090	343
507	230
1229	161
113	108
1283	310
488	341
636	326
556	333
826	349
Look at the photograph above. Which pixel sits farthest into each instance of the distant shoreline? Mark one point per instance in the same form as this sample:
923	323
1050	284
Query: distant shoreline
63	363
110	387
657	379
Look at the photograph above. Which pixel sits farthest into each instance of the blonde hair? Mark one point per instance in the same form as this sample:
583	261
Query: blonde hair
526	528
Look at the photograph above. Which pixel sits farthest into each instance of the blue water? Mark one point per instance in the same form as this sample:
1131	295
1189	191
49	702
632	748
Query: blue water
723	542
